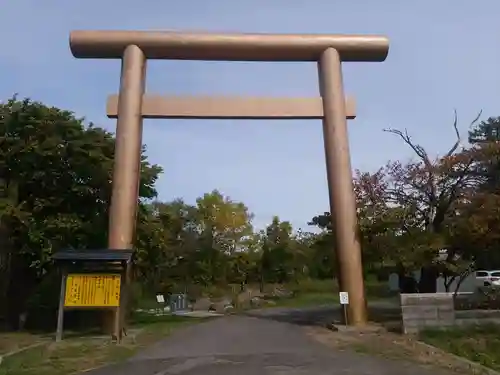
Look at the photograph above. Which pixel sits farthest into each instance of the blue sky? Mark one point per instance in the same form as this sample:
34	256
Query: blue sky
443	55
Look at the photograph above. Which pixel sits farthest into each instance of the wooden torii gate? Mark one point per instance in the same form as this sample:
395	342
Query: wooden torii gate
131	105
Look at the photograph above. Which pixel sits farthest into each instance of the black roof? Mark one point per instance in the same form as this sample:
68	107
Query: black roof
102	255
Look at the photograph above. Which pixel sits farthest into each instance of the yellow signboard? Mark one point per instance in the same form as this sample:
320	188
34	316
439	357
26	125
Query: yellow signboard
92	290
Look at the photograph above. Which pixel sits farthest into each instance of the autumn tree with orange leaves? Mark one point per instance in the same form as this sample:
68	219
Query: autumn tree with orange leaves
408	212
477	223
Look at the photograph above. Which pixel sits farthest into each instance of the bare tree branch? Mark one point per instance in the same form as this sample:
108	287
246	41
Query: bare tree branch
419	150
431	193
459	140
473	122
458	143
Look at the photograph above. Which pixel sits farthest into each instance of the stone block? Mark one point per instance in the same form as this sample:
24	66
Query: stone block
411	330
412	326
410	312
429	312
442	303
431	323
446	308
423	312
419	311
411	322
410	299
450	318
432	299
440	300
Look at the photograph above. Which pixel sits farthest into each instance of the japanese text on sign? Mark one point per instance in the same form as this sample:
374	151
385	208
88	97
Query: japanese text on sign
88	290
344	298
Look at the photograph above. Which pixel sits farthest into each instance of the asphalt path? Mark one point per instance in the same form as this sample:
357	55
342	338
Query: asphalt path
261	342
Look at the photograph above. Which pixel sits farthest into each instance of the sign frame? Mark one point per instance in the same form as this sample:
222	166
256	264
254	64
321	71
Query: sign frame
106	262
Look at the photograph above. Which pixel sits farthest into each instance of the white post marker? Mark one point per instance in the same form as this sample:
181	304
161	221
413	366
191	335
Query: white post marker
344	298
161	301
344	301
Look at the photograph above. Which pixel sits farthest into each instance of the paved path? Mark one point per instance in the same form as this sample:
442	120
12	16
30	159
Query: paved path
249	345
322	315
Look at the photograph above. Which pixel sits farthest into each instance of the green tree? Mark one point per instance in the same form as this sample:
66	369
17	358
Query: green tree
277	252
321	261
485	138
485	131
223	226
55	175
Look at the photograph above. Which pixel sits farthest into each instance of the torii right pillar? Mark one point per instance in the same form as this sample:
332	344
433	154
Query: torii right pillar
340	186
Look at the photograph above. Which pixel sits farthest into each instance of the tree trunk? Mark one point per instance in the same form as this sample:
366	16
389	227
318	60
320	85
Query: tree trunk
461	279
19	289
8	198
5	269
407	284
447	283
428	280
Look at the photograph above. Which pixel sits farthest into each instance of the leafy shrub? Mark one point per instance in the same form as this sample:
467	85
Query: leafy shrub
484	298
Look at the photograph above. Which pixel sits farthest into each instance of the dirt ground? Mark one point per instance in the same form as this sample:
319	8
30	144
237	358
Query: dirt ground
12	342
379	342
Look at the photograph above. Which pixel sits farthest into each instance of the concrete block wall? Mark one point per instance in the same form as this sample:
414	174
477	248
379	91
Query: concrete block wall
475	317
420	311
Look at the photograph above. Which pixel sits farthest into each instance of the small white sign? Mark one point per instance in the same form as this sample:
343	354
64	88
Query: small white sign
160	298
344	298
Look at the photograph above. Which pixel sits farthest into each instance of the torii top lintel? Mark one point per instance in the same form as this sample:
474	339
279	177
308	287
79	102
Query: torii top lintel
108	44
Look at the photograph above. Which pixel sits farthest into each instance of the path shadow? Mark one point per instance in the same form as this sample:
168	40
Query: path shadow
385	313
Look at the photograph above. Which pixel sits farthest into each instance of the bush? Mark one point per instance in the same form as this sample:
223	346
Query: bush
484	298
43	303
377	289
315	286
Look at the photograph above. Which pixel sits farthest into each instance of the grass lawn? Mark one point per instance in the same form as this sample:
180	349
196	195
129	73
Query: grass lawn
76	354
10	342
309	293
478	343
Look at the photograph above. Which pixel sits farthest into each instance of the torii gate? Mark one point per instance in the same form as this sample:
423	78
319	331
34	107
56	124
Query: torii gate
131	106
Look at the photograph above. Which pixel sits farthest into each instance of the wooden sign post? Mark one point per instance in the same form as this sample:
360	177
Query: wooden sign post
94	280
